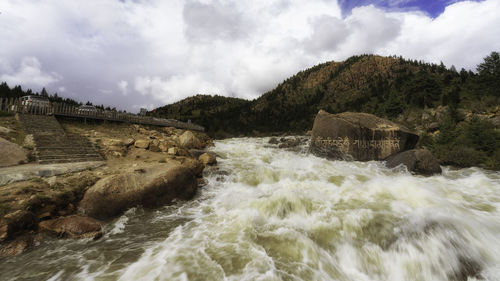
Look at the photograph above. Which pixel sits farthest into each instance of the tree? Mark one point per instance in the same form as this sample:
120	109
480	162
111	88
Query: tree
489	73
4	90
44	93
490	66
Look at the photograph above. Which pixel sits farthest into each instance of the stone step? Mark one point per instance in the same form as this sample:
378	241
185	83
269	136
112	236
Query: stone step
68	160
65	149
53	145
57	156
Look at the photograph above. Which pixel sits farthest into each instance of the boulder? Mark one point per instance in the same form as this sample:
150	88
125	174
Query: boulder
273	140
16	222
75	226
289	142
128	142
418	161
189	140
358	136
17	246
208	159
11	154
149	186
142	144
173	150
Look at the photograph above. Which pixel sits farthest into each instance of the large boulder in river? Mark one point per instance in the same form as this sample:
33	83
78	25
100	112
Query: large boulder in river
358	136
149	186
11	154
419	161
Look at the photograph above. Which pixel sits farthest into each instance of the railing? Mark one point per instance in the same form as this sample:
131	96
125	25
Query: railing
14	105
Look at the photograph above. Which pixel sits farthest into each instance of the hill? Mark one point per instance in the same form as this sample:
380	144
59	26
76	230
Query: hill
385	86
407	91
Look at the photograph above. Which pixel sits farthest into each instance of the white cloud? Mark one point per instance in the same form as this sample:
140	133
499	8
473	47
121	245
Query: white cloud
174	88
123	86
29	73
168	50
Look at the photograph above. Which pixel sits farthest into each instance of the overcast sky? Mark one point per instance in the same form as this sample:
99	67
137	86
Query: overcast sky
134	53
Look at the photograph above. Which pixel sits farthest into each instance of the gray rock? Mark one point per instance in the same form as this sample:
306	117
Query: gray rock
418	161
358	136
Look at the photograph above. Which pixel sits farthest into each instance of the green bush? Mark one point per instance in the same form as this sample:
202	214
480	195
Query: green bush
480	135
461	156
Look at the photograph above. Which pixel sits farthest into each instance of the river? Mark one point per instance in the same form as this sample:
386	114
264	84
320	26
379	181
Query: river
273	214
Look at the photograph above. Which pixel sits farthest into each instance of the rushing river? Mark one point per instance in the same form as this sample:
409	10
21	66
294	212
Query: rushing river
272	214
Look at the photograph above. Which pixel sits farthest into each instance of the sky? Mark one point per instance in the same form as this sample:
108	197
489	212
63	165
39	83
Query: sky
147	53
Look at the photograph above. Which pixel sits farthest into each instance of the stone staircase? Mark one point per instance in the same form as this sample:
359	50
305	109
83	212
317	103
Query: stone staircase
54	145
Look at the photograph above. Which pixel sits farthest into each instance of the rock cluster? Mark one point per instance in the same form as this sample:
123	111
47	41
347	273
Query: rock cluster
171	140
144	167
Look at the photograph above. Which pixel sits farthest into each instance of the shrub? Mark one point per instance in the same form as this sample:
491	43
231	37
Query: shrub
461	156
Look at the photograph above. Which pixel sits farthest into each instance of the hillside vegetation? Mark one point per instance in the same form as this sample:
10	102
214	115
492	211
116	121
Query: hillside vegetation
392	87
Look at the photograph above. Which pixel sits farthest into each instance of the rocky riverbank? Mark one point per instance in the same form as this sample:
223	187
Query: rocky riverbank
147	166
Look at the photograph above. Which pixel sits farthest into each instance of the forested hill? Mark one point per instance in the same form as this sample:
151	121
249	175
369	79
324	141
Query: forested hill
385	86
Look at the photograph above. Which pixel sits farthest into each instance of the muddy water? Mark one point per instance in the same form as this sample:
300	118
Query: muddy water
272	214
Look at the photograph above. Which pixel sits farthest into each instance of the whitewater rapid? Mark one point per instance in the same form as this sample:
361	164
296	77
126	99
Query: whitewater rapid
273	214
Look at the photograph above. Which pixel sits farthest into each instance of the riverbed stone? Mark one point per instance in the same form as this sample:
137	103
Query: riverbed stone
189	140
17	221
418	161
17	246
173	150
358	136
142	144
148	186
11	154
208	159
75	226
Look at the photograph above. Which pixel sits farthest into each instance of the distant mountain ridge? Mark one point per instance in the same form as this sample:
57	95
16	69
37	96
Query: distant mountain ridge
385	86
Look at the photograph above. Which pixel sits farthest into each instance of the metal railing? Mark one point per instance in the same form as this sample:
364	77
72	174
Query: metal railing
14	105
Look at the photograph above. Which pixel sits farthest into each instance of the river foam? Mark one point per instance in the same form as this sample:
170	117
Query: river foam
281	215
272	214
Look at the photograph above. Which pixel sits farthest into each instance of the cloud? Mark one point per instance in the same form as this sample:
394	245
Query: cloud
328	33
123	86
174	88
155	52
29	73
206	22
